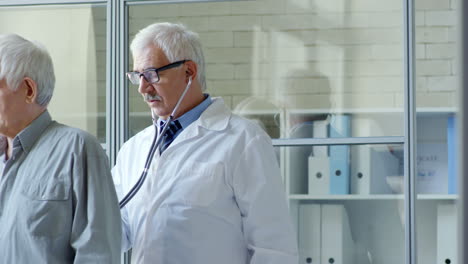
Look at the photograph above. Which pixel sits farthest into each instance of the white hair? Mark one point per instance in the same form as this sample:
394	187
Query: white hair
20	58
177	43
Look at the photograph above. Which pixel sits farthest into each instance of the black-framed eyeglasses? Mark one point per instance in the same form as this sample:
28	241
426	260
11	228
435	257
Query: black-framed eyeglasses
151	75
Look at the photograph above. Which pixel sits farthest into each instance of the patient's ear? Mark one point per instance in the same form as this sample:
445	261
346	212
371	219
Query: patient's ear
31	89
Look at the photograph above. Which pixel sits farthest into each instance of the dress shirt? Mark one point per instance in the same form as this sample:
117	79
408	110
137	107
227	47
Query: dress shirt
186	119
57	200
213	196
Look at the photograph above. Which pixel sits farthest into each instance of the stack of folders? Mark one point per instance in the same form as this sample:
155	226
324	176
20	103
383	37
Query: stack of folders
325	235
446	234
329	170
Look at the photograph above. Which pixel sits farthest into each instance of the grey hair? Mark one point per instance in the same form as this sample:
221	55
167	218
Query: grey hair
177	43
20	58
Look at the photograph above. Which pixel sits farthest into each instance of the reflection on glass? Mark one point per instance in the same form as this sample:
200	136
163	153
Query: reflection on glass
283	59
76	39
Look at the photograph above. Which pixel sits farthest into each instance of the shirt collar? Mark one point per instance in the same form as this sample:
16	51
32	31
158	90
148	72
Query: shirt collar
28	136
188	118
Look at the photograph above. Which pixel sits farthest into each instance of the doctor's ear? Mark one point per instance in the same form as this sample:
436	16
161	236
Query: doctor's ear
191	70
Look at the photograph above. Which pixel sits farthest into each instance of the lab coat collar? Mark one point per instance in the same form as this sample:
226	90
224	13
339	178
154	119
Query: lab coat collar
216	117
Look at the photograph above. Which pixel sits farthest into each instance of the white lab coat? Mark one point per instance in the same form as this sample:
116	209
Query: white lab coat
214	196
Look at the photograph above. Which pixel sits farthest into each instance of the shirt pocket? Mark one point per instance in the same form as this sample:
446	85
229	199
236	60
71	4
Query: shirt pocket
47	207
198	184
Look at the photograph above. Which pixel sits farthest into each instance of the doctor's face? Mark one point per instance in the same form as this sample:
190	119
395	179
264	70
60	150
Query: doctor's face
162	95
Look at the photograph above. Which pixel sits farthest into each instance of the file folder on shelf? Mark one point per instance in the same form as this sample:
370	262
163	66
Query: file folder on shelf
337	242
319	175
310	233
370	166
446	234
452	154
297	159
340	126
319	163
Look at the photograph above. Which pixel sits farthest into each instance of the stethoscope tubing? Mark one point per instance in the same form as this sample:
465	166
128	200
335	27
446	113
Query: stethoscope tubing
154	146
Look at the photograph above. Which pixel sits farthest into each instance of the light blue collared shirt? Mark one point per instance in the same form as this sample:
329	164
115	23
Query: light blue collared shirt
188	118
57	198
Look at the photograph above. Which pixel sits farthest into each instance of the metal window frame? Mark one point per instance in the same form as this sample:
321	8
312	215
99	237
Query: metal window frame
156	2
295	142
116	86
5	3
410	132
462	131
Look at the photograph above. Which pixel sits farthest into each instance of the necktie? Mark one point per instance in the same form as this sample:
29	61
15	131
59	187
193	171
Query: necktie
170	134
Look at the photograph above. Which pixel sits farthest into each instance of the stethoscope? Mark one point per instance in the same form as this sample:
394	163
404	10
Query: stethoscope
154	146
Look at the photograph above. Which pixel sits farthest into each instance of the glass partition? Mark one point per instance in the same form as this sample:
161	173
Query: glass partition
301	70
312	69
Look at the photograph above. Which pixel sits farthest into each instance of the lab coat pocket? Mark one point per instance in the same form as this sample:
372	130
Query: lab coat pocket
47	208
198	184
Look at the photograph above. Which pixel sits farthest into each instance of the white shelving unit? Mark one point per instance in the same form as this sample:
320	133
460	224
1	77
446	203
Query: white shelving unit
377	221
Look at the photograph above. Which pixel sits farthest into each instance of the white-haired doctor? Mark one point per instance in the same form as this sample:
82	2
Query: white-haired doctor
213	193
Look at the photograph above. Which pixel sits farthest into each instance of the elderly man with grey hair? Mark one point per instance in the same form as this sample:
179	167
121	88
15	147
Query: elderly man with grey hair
213	193
57	199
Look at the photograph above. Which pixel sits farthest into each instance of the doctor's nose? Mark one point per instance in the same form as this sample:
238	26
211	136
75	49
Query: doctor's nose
145	87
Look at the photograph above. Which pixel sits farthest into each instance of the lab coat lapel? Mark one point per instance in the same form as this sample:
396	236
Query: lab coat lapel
216	118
